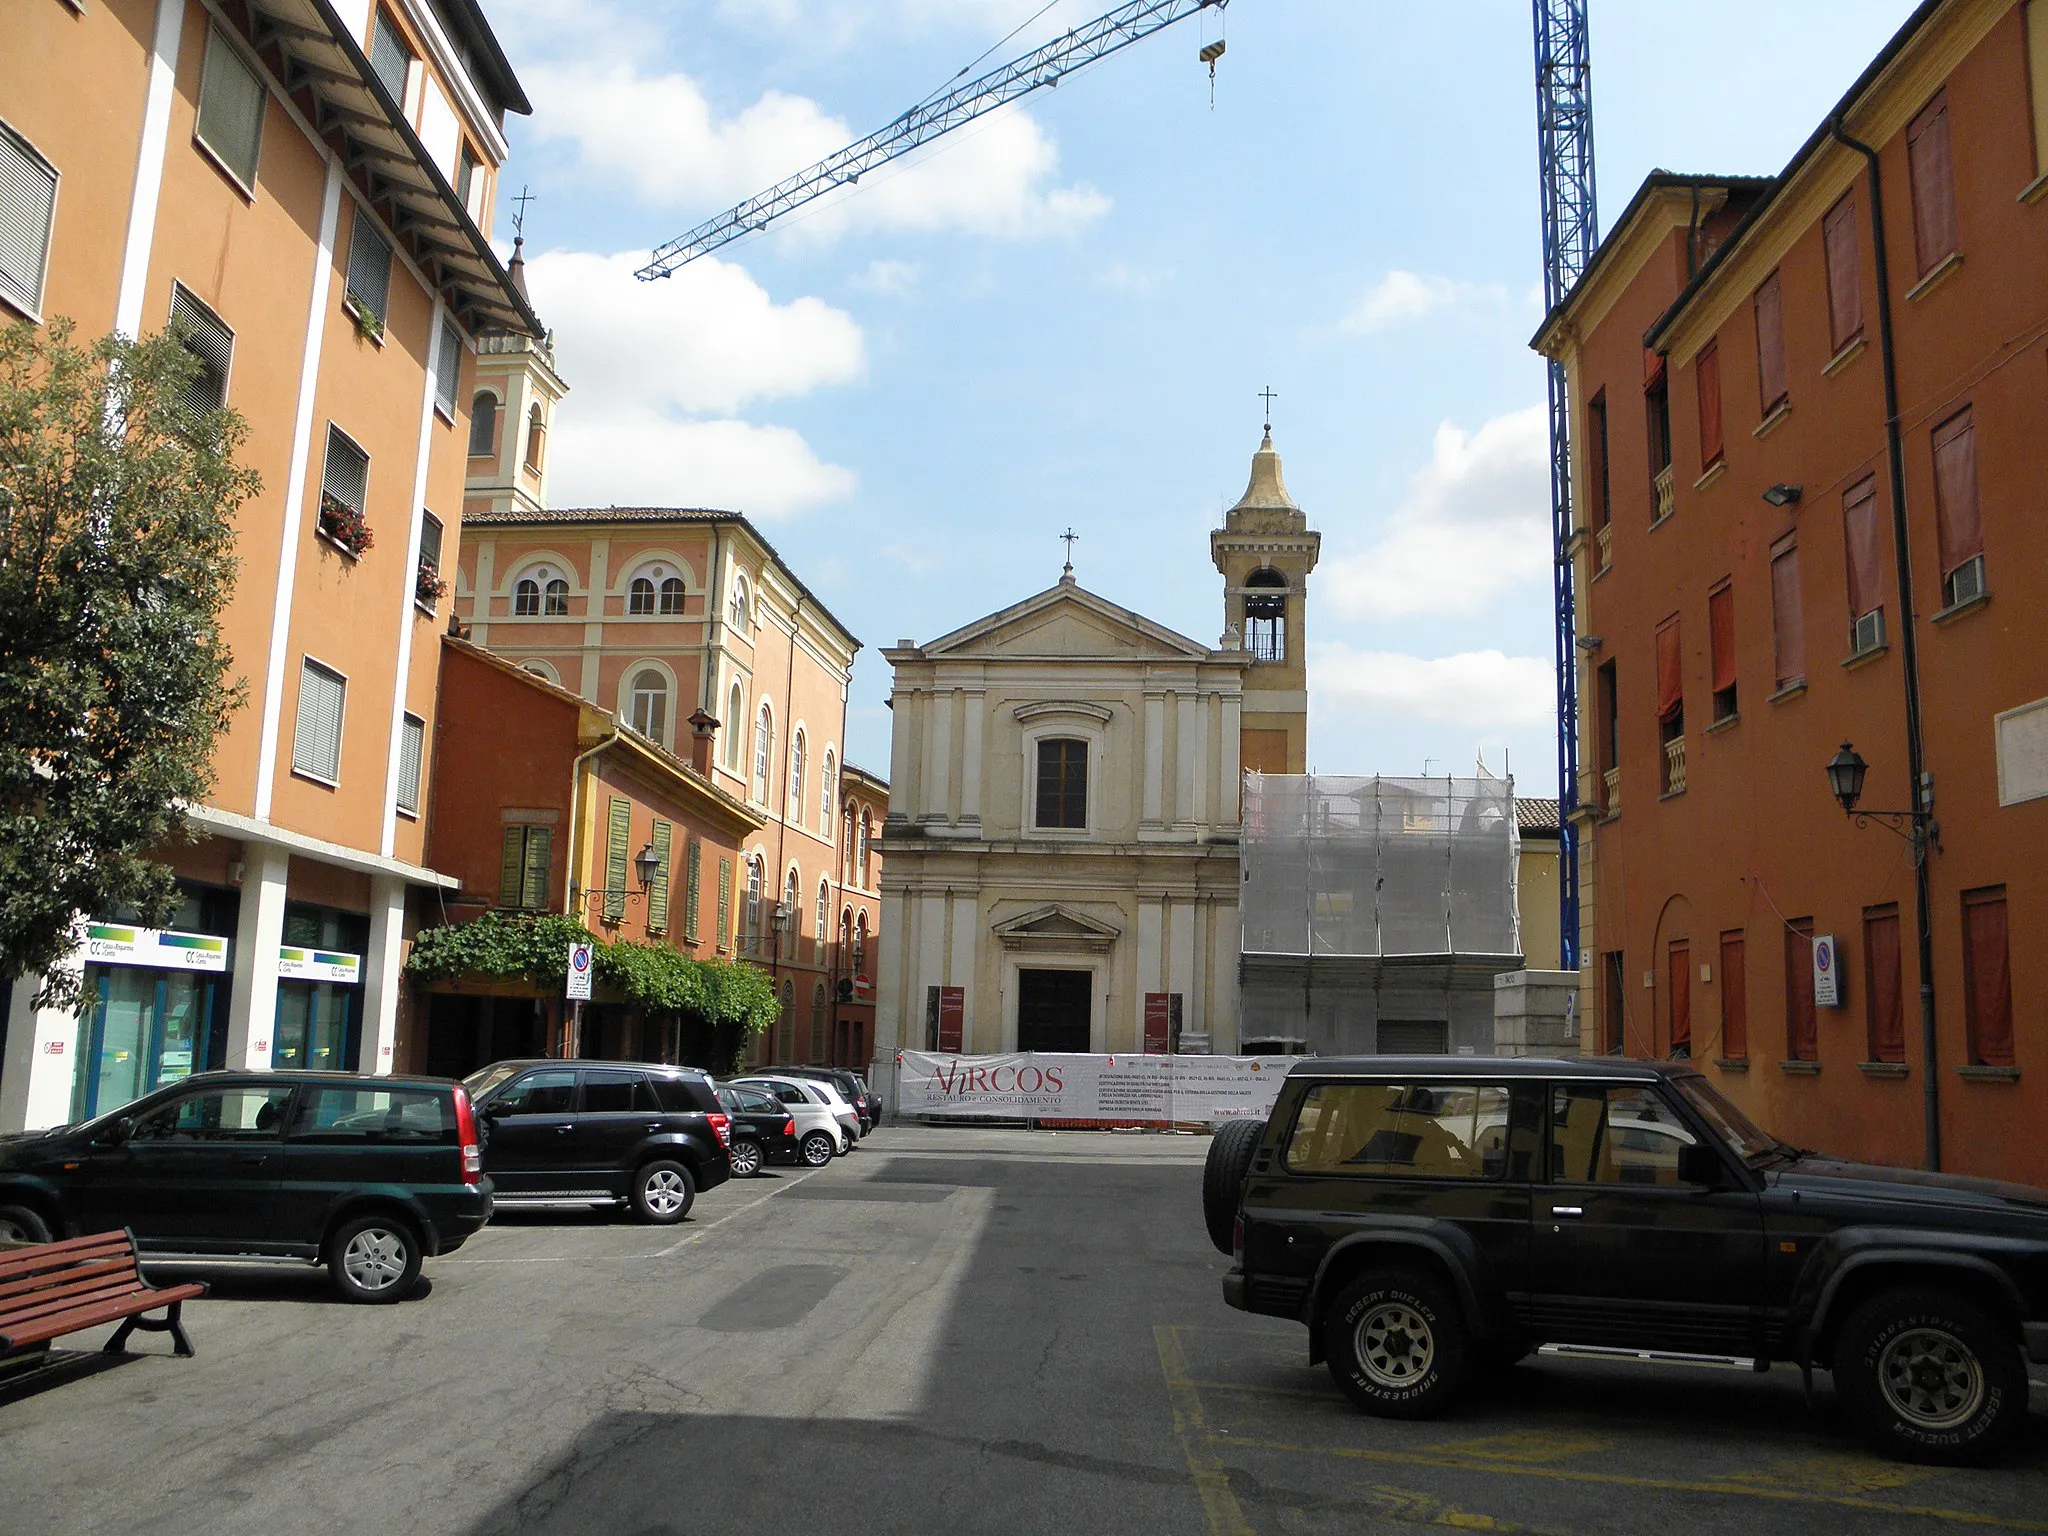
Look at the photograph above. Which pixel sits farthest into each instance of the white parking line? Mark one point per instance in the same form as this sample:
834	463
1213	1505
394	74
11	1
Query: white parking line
779	1189
590	1258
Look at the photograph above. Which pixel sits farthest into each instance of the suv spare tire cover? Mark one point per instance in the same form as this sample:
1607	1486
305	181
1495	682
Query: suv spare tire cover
1230	1156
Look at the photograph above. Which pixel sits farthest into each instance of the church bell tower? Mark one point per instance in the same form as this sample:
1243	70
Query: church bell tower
1265	550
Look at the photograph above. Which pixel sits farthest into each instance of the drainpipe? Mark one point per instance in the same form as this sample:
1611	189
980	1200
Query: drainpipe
1909	649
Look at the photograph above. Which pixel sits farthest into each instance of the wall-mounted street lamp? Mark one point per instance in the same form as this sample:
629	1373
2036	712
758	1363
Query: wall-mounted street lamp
646	866
1846	771
1782	495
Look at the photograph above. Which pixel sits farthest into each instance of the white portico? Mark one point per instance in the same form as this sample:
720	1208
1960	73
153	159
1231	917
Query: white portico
1060	858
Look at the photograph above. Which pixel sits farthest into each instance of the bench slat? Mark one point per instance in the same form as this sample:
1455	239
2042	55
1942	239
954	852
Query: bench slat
72	1296
36	1284
57	1288
45	1256
80	1318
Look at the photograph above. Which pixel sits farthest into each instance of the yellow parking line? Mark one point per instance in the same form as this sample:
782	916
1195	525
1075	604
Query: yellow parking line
1211	1481
1622	1480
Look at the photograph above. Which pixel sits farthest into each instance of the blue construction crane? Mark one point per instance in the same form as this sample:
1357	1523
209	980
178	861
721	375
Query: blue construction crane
1564	143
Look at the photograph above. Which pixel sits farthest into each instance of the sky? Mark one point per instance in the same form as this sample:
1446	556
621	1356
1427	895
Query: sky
1062	314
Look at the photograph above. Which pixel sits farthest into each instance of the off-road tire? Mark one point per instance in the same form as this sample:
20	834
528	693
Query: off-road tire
1926	1374
374	1259
1397	1344
22	1224
816	1149
663	1192
747	1157
1230	1157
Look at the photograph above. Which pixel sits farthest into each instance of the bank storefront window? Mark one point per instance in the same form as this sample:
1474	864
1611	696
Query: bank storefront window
155	1002
319	989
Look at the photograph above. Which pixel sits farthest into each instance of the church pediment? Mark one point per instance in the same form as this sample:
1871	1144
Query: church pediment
1056	926
1070	622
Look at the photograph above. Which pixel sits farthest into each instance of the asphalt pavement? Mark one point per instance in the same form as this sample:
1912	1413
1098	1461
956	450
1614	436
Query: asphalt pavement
948	1331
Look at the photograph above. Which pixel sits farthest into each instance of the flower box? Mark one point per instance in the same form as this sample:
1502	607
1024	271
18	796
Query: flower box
344	525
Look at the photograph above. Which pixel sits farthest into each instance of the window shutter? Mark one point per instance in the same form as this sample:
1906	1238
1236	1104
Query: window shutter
369	266
1772	382
693	884
1932	172
1860	536
1788	627
483	425
1883	998
412	737
1955	491
1987	977
390	58
1678	968
448	370
346	475
511	867
316	737
540	853
209	341
28	197
231	106
657	894
1734	998
1721	622
1707	376
724	935
1845	279
1670	674
617	836
1596	459
2037	74
1799	1031
430	542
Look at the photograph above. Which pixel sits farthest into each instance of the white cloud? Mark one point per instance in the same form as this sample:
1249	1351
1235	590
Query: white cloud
630	457
1486	688
889	279
708	339
657	135
1475	521
1138	282
1402	296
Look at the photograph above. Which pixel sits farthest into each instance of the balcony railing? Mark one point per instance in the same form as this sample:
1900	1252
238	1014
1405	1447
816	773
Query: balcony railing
1613	802
1665	498
1674	766
1604	542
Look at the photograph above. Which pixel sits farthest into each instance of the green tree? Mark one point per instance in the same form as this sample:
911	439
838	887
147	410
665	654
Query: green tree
118	495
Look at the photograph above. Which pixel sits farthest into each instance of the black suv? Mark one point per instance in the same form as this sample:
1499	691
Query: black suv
366	1175
602	1132
1428	1216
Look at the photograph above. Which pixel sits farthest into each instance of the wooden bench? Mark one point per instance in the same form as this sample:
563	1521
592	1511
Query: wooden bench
53	1289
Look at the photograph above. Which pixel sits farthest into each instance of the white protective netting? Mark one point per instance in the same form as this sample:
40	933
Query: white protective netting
1378	866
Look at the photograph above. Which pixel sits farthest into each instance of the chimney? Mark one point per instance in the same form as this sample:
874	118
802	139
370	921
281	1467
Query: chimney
703	727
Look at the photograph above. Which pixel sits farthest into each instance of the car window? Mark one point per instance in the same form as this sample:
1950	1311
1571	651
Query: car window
484	1079
729	1099
345	1115
549	1092
1612	1133
681	1095
613	1092
1744	1136
219	1114
1432	1130
760	1103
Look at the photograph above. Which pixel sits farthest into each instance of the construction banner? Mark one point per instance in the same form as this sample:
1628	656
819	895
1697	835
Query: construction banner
1128	1090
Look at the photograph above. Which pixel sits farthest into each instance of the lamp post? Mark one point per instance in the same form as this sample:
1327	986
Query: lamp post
1846	771
646	866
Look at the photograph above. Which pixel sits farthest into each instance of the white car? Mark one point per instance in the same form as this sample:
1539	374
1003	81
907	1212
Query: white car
820	1135
844	1115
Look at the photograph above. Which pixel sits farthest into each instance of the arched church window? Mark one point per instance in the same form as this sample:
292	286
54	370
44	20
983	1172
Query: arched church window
640	596
1062	783
672	594
483	424
650	703
1265	615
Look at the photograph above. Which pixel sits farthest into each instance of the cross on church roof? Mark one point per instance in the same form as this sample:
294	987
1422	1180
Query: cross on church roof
1068	538
519	218
1269	397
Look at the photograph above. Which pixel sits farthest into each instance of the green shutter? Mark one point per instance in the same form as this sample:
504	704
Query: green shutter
724	936
511	862
692	888
616	839
657	894
540	848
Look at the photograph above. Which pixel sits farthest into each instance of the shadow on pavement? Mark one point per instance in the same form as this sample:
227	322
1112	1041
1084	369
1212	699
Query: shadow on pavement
59	1368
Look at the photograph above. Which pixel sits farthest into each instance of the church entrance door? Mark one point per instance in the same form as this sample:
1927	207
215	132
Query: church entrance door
1053	1010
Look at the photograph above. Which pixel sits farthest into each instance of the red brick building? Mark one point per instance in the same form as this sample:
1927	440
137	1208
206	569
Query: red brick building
1811	420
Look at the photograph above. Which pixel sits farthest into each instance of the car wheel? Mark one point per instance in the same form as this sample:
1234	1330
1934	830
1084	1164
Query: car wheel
374	1259
663	1192
1928	1375
1230	1157
816	1149
1397	1344
746	1158
19	1224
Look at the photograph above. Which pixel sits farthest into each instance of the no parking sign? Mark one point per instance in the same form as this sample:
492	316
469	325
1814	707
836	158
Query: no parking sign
1827	983
579	972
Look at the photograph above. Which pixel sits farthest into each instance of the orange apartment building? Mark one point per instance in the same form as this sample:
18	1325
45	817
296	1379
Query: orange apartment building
551	804
1774	559
857	893
307	184
676	620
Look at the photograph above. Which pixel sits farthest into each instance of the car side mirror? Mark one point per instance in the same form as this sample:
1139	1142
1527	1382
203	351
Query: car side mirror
116	1132
1701	1164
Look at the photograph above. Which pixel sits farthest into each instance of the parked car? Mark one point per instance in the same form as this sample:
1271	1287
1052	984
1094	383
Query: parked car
847	1117
820	1134
852	1087
1429	1216
633	1133
366	1175
763	1129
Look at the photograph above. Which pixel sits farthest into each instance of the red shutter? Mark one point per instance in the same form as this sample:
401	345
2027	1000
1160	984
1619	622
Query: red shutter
1670	680
1707	375
1800	1039
1883	1001
1721	621
1787	622
1987	978
1596	459
1860	535
1772	385
1932	171
1680	972
1845	283
1734	999
1956	514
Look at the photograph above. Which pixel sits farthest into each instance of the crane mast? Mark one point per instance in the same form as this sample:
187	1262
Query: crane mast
940	114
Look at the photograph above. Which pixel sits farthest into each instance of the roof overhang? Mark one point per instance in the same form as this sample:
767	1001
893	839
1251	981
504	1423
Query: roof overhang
247	829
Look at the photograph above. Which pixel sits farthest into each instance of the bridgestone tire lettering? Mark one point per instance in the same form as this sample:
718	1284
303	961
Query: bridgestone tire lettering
1970	1335
1447	1347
